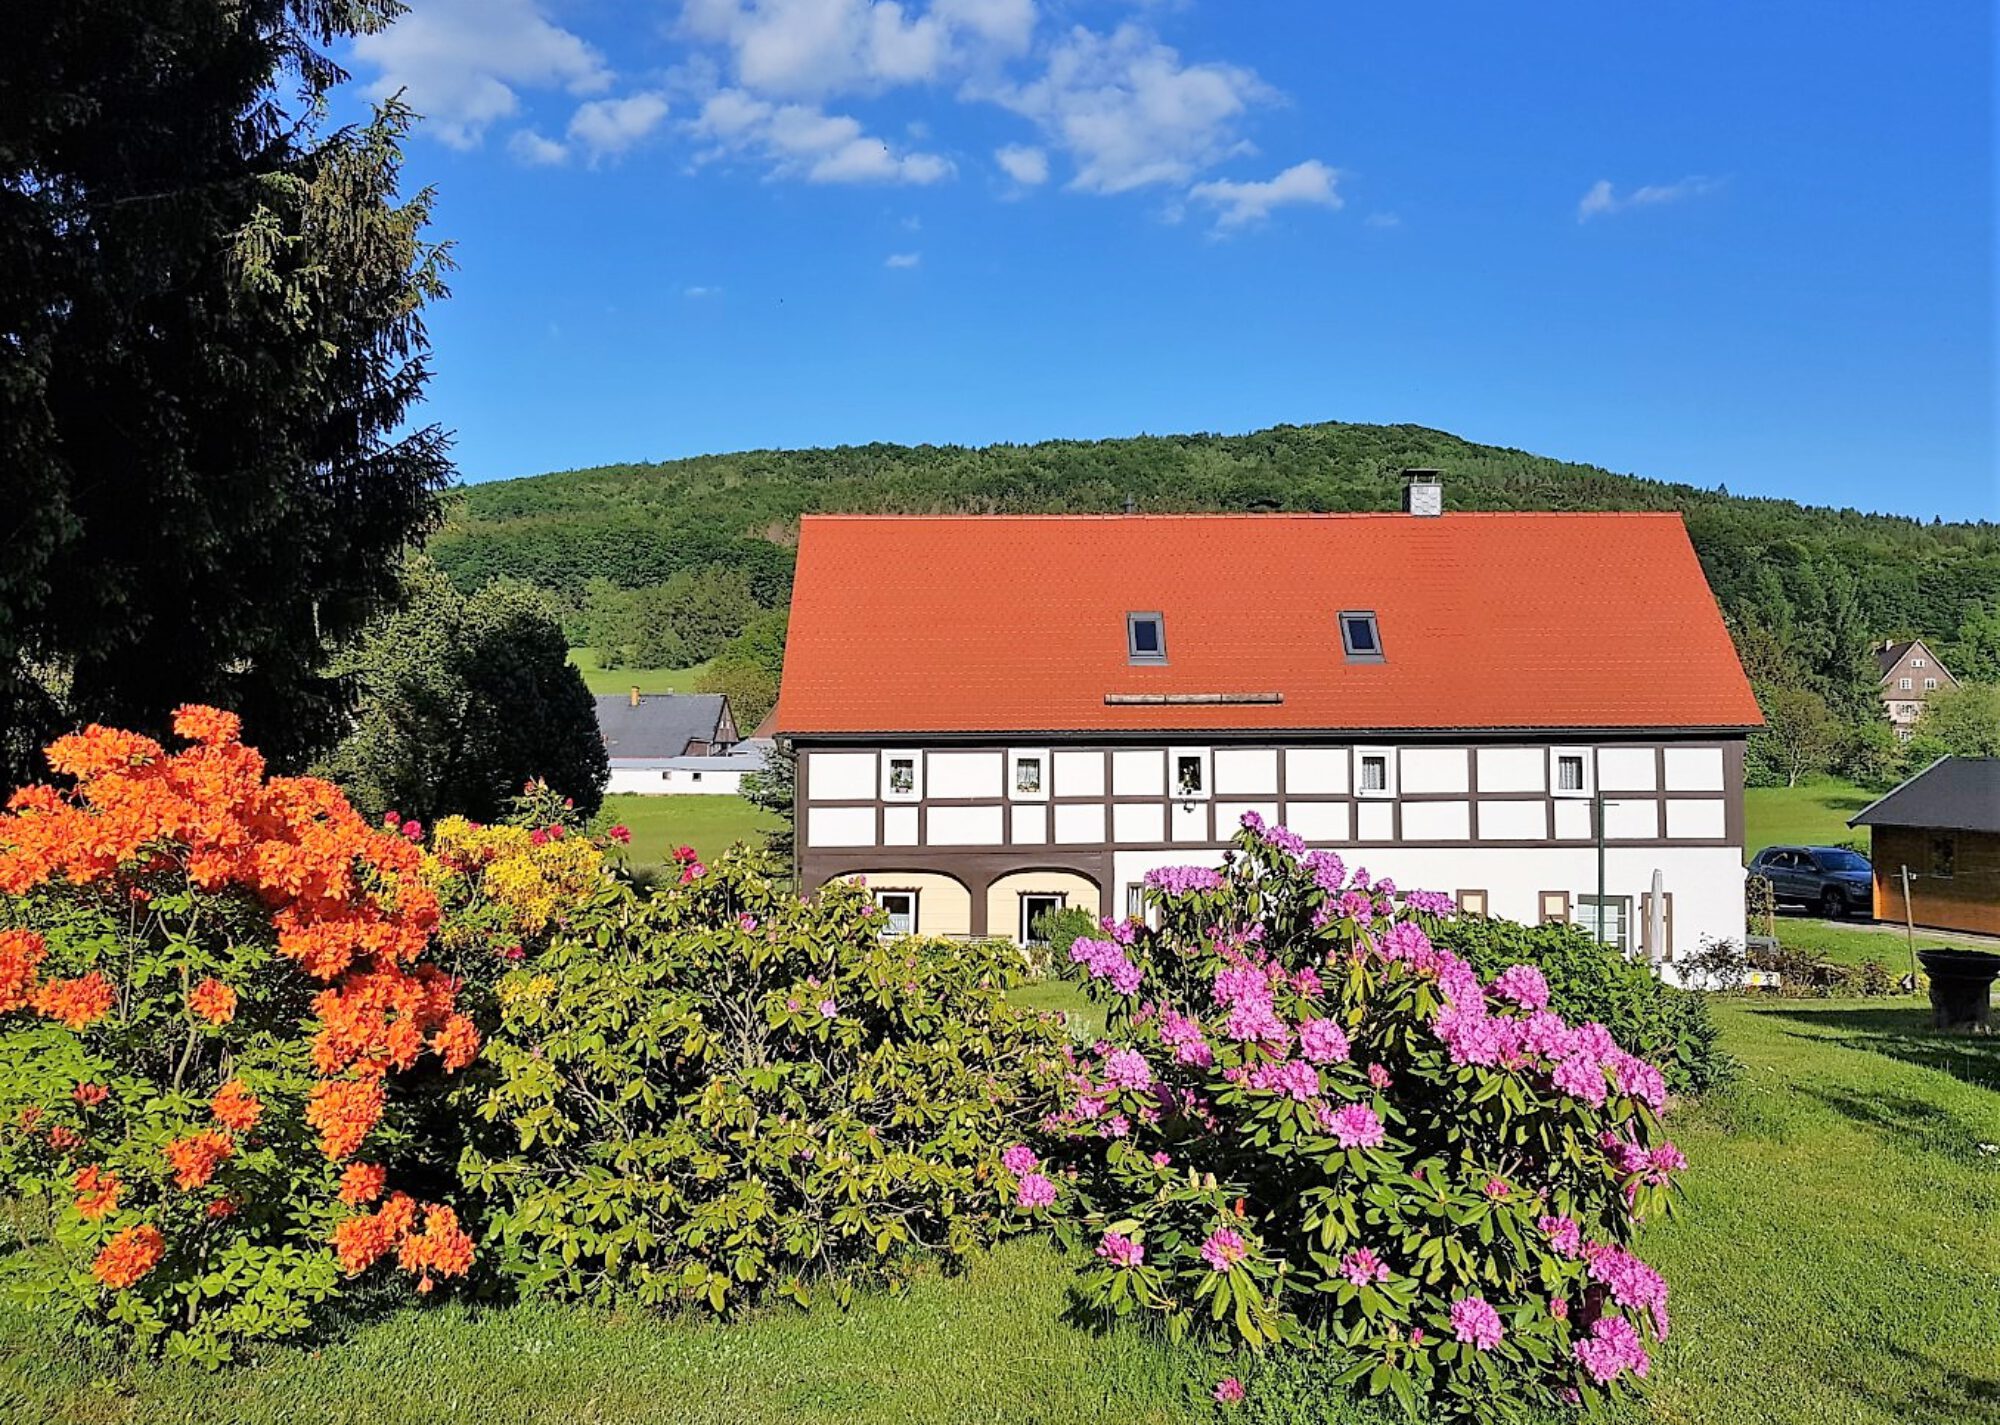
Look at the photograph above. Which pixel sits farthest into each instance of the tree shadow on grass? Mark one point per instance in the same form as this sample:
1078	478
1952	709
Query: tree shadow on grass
1949	1393
1912	1124
1904	1033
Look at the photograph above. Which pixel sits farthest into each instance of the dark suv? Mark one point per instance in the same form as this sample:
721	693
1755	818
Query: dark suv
1830	879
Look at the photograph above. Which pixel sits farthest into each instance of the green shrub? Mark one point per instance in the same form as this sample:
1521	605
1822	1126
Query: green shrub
1589	980
1053	932
716	1090
1312	1125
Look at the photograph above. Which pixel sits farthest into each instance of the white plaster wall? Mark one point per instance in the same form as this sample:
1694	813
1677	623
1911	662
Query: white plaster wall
1318	821
1316	769
1139	821
1138	773
1631	819
1436	821
1246	771
649	782
1189	821
1573	821
1689	819
840	826
1512	821
961	774
944	905
962	826
1031	825
899	826
841	776
1435	769
1229	816
1628	769
1079	774
1512	769
1081	823
1694	769
1374	821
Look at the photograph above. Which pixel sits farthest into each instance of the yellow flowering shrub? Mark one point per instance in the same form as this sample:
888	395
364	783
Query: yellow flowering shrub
509	882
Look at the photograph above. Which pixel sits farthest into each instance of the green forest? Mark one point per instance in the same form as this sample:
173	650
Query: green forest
669	564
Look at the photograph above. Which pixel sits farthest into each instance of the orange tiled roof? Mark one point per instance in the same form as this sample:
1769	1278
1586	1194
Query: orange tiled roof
1016	624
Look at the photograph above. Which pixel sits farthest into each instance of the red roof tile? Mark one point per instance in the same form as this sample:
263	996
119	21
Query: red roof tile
1016	624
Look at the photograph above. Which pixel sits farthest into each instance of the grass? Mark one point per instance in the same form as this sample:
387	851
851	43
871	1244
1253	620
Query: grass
1832	1264
711	825
620	680
1812	814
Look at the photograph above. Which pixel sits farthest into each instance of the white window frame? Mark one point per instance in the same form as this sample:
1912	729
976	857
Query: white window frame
916	759
1930	685
1905	684
1387	790
1061	898
1174	792
1025	754
916	902
1917	663
1589	787
1588	912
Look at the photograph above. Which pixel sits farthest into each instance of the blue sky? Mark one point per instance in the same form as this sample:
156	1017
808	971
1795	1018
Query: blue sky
1708	242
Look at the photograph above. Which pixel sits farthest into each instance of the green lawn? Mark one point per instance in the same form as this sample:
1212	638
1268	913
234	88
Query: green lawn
1851	944
1833	1265
711	825
620	680
1813	814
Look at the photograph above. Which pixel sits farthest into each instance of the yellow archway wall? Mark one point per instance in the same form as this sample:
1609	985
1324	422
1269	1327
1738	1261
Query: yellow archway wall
1003	904
944	905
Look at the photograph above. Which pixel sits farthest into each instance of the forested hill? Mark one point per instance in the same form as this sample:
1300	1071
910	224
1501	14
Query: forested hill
1806	588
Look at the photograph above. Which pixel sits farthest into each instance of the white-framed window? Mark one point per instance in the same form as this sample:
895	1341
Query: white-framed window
903	775
1930	685
1188	774
900	910
1135	901
1145	637
1906	683
1360	636
694	776
1570	771
1375	771
1035	905
1028	774
1609	919
1917	663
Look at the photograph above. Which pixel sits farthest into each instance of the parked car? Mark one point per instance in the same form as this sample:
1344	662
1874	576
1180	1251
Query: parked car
1830	879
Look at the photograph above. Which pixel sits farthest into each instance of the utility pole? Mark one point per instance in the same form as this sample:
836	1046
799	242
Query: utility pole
1597	796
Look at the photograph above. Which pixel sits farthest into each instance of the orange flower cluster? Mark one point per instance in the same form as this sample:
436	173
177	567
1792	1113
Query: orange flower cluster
442	1247
362	1183
78	1003
379	1018
213	1001
127	1257
21	954
234	1106
344	1111
96	1193
90	1095
195	1158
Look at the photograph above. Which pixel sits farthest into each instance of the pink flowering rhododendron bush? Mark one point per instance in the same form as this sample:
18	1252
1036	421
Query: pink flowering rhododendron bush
714	1090
1310	1124
214	986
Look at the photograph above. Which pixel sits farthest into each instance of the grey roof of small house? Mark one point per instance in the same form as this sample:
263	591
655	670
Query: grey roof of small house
662	725
743	757
1953	794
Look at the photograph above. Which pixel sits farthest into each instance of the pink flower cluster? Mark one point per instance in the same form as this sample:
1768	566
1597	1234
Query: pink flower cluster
1105	960
1363	1267
1323	1041
1475	1322
1564	1235
1630	1281
1355	1126
1650	1165
1286	840
1612	1348
1524	985
1181	880
1223	1249
1183	1035
1292	1077
1120	1250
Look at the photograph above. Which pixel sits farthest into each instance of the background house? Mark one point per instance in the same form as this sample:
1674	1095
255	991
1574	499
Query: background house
647	734
1910	674
997	715
1943	826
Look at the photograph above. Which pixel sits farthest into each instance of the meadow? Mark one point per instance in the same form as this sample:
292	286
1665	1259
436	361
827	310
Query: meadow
1828	1265
1813	813
623	680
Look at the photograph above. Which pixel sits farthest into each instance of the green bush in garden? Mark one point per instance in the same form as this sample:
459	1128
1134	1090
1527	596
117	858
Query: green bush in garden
719	1090
1311	1125
1589	980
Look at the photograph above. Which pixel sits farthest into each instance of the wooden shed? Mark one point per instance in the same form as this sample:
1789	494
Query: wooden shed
1943	828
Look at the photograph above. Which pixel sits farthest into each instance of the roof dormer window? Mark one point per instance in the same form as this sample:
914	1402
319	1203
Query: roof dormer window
1359	637
1146	638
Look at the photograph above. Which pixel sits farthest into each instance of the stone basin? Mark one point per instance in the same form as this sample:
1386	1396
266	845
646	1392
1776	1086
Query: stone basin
1961	988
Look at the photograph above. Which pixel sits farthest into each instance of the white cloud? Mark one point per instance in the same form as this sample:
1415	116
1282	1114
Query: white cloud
1130	113
536	150
812	49
461	61
803	140
1243	204
696	294
610	126
1022	163
1603	199
902	259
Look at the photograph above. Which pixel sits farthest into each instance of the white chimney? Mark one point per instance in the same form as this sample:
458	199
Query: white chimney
1423	492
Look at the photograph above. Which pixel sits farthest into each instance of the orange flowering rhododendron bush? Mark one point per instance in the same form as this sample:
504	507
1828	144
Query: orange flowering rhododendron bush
217	1004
